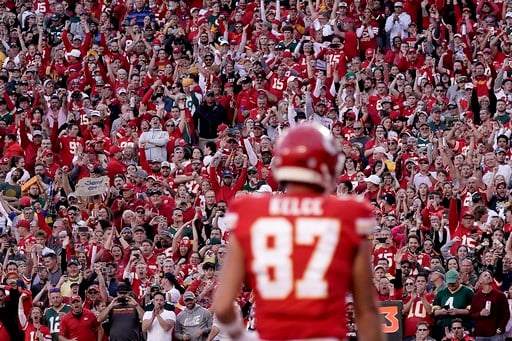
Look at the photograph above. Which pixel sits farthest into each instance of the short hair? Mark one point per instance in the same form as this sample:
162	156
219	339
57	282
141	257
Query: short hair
422	323
456	320
158	293
212	146
40	233
147	240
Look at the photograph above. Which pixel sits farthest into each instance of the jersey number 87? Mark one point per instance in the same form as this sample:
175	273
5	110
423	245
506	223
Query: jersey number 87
273	241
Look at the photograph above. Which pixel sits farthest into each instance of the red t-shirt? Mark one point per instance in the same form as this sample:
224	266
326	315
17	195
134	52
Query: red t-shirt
83	328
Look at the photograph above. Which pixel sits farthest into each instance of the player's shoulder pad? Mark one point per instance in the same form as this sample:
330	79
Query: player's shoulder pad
361	212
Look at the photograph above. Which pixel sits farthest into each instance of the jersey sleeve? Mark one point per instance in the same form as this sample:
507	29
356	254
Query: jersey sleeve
232	217
364	221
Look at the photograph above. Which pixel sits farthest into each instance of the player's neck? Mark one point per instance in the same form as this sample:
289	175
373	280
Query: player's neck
295	188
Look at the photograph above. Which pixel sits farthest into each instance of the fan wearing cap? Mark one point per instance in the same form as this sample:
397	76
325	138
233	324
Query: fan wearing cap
124	314
76	44
397	23
208	117
159	205
452	302
463	232
115	165
245	100
23	229
29	147
79	324
226	190
193	175
201	318
49	161
127	201
423	176
372	187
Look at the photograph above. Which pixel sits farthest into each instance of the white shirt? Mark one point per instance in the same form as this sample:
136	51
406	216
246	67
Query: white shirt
156	332
398	28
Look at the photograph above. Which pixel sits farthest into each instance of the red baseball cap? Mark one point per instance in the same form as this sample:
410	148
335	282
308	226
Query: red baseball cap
25	202
24	223
128	186
94	287
185	242
76	298
222	127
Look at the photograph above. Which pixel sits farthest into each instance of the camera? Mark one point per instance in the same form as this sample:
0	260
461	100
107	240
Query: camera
382	239
11	242
122	300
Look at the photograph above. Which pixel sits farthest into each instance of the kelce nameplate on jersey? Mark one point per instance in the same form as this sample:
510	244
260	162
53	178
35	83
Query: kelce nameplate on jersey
296	206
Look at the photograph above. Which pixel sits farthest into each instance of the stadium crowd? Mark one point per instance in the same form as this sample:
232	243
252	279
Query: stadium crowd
128	127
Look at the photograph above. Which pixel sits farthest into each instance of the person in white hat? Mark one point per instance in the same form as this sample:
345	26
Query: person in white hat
397	24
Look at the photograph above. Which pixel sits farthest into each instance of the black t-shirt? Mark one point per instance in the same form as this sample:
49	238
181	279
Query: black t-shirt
124	323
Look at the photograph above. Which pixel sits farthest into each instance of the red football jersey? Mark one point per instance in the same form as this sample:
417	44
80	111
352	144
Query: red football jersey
31	332
299	252
417	314
68	147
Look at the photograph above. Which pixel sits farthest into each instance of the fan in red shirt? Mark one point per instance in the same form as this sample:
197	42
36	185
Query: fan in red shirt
246	99
115	165
414	255
384	249
49	163
79	324
278	80
33	328
418	305
68	144
464	232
